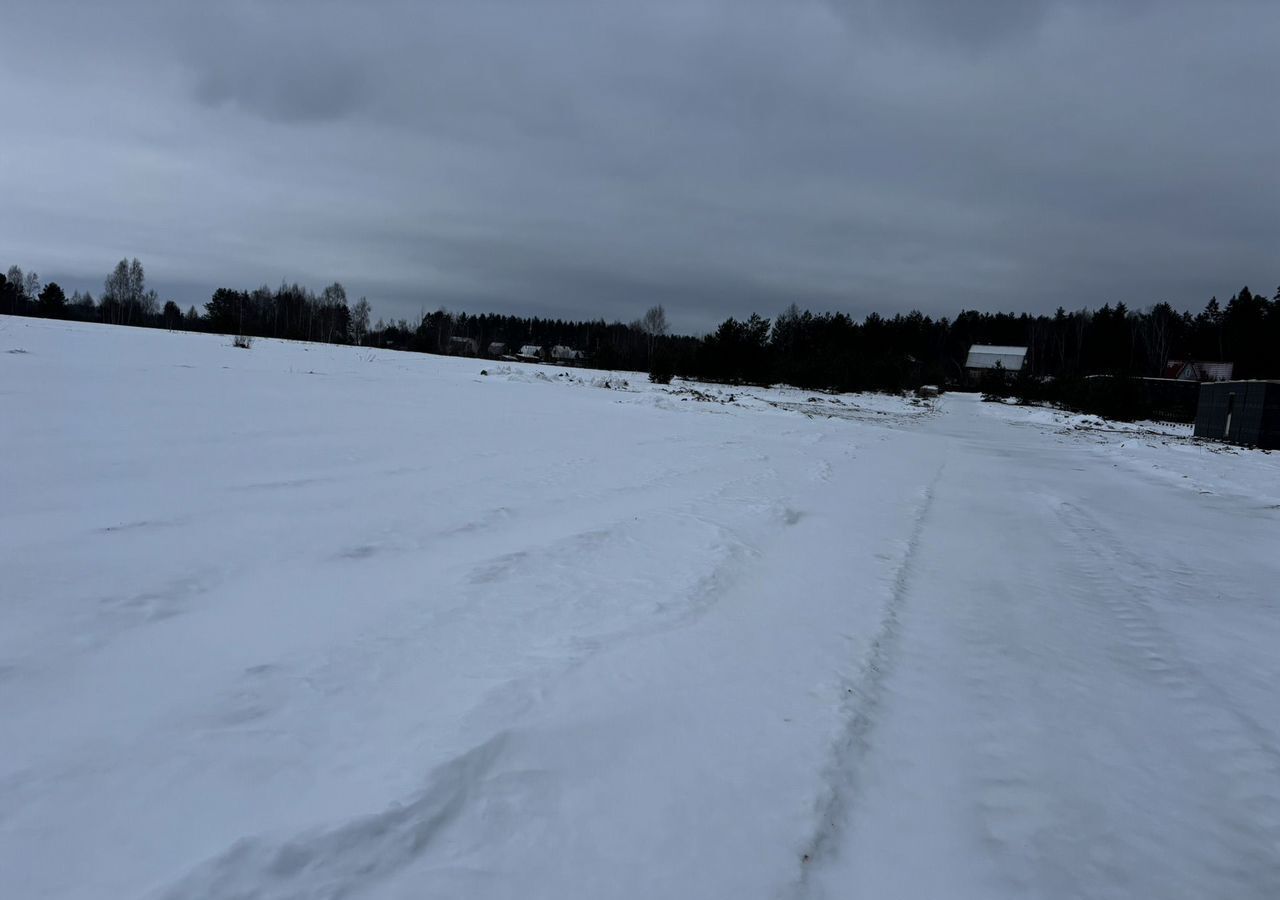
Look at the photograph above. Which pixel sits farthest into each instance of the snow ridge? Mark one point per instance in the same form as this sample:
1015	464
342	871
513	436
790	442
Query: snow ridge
342	861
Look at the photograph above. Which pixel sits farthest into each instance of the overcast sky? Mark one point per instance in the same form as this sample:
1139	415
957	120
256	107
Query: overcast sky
592	158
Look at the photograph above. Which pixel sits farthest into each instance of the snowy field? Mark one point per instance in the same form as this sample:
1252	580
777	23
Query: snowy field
304	621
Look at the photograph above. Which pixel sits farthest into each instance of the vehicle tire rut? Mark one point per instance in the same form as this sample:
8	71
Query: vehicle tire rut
861	705
1239	755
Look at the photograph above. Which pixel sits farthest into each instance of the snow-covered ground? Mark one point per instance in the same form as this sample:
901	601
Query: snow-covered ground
304	621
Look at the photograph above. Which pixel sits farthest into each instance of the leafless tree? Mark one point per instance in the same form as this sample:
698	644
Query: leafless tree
655	321
360	320
19	281
125	294
654	324
1157	335
137	281
332	297
116	293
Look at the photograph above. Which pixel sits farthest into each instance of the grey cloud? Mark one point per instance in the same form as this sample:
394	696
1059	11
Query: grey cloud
980	23
301	90
581	158
281	62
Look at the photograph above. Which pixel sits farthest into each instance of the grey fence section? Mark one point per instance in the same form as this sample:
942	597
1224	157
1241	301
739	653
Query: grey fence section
1171	400
1240	412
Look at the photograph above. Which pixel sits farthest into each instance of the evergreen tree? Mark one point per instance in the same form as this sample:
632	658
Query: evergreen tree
53	302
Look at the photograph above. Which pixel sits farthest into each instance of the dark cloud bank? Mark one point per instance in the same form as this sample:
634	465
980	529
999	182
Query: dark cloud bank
590	158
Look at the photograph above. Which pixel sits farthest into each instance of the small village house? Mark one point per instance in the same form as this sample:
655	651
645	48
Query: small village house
463	346
989	357
1198	370
566	355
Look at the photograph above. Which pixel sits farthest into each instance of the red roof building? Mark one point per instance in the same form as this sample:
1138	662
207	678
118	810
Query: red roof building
1198	370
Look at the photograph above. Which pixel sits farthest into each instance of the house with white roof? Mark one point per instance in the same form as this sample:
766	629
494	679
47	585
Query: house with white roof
563	354
984	357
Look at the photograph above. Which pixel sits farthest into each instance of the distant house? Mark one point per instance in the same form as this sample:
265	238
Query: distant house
497	348
1240	412
463	346
530	353
563	354
1199	370
984	357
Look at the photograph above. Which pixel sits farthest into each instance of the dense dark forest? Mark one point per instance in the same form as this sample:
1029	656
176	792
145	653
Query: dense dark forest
810	350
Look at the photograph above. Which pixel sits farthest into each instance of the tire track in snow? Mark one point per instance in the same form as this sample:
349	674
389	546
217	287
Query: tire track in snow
863	699
1238	753
1138	619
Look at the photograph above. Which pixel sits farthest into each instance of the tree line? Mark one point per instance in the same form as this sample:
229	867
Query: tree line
810	350
290	311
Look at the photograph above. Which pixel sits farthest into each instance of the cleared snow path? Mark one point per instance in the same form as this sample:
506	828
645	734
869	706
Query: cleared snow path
306	621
